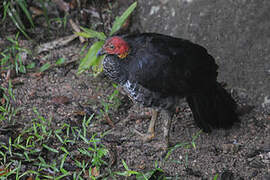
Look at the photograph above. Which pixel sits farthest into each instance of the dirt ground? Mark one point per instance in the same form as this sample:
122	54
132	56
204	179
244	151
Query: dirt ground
242	152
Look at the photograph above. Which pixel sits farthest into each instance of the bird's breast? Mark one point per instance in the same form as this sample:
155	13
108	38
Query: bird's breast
112	68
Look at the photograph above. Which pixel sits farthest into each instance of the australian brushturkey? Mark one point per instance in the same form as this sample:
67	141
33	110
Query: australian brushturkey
157	70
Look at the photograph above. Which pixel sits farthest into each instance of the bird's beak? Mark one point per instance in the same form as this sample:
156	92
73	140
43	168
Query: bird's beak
101	52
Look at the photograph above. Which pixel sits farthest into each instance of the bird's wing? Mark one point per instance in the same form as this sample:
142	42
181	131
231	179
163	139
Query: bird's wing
149	70
169	65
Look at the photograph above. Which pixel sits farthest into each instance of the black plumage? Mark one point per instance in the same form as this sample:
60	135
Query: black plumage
160	69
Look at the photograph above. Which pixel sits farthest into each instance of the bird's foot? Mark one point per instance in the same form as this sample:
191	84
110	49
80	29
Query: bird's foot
166	143
162	146
166	128
133	116
146	137
151	129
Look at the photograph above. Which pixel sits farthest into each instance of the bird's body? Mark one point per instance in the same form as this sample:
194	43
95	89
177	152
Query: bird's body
157	70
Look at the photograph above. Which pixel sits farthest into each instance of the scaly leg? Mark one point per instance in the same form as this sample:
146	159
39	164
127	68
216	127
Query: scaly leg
151	129
167	118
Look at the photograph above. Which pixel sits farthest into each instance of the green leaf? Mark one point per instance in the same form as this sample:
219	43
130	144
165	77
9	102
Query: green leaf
98	67
45	67
60	61
31	65
91	58
89	33
119	21
83	34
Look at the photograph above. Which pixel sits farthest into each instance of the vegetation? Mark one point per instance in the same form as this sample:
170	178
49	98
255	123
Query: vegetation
12	56
15	10
7	110
41	151
91	59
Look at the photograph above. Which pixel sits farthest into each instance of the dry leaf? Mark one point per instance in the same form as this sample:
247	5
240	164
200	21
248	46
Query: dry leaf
36	11
95	171
62	5
3	101
36	75
79	113
61	100
3	172
30	178
109	121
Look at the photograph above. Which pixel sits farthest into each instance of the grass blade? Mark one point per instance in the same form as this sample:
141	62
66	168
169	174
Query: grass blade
23	6
50	149
17	24
6	6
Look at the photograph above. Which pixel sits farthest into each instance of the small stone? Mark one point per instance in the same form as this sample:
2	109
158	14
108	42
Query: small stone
266	177
154	10
227	148
227	175
266	101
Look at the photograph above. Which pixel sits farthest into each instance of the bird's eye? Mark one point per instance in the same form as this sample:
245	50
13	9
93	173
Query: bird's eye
111	46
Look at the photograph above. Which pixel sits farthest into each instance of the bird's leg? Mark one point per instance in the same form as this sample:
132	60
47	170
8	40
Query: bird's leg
167	117
151	129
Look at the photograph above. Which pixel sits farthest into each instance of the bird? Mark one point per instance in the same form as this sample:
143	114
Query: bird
157	70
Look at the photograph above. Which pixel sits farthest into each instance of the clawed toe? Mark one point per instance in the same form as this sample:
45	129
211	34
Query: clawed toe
145	137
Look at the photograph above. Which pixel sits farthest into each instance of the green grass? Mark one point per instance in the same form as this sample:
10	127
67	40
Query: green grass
17	11
111	104
11	56
142	175
8	110
43	150
185	145
14	10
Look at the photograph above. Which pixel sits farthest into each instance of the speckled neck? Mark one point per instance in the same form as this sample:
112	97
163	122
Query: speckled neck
112	69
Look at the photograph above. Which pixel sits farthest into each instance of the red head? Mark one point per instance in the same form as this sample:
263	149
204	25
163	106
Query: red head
116	45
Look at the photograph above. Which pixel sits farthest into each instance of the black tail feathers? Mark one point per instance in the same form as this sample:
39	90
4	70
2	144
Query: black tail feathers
213	109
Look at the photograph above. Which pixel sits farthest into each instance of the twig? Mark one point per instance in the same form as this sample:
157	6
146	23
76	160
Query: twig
109	121
55	44
100	15
76	29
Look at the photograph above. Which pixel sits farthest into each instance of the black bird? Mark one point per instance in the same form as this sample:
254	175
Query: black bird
156	71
